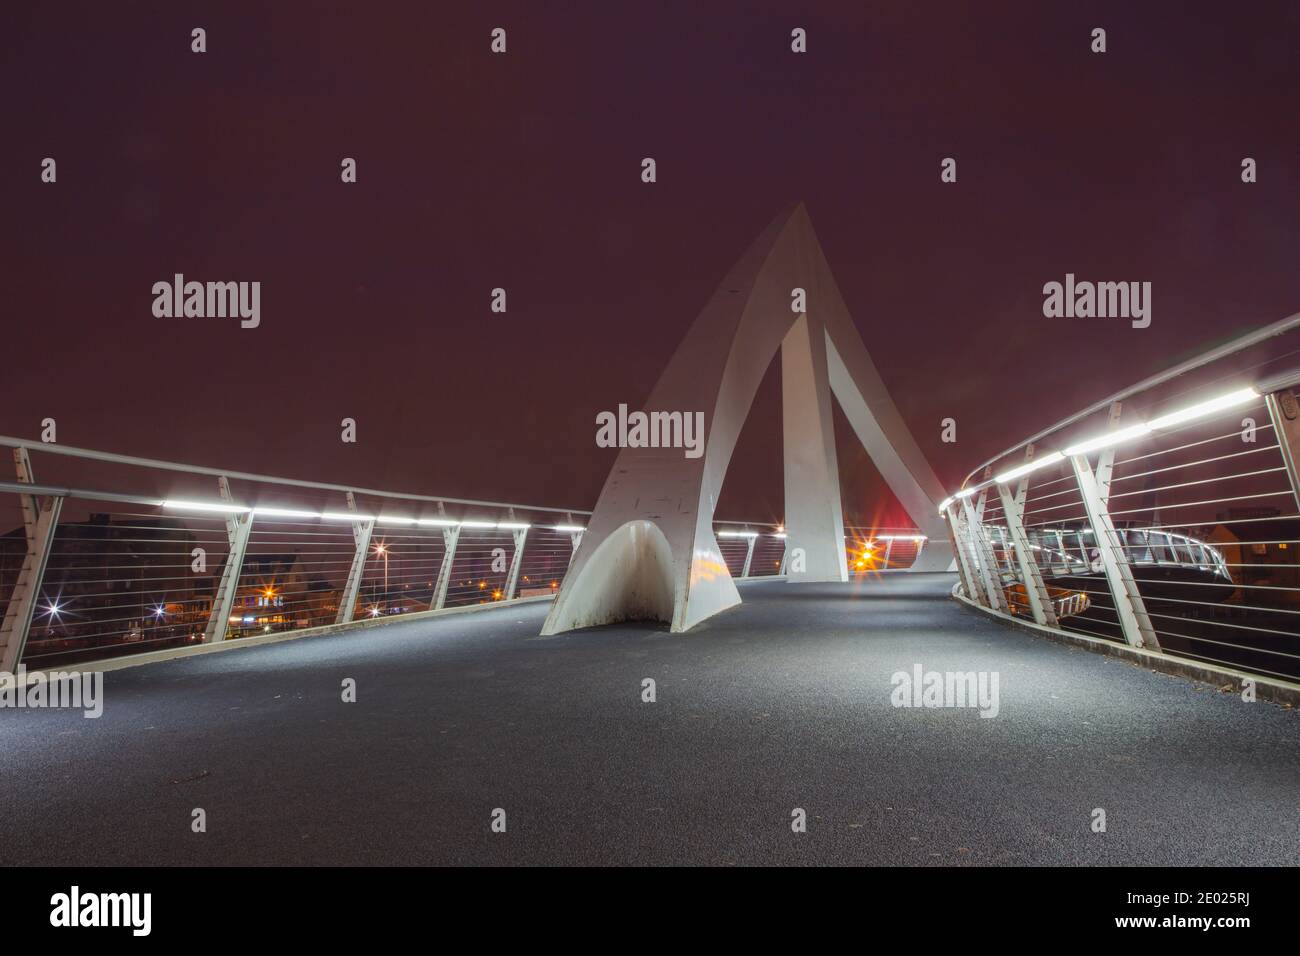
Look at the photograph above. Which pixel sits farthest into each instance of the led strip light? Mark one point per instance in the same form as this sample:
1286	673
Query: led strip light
1108	440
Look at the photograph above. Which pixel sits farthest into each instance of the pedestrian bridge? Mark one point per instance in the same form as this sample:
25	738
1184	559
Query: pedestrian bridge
1098	624
780	703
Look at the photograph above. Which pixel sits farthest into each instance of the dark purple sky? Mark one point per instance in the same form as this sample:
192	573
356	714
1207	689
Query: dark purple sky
522	171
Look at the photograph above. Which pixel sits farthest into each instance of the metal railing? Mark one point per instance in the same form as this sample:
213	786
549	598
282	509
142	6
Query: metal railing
1164	517
88	573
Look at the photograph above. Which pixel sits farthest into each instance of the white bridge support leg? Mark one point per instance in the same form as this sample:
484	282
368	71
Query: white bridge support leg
649	552
1284	413
361	535
238	528
1129	606
1040	603
1106	458
450	538
516	560
575	538
965	557
814	522
40	522
989	573
865	401
749	555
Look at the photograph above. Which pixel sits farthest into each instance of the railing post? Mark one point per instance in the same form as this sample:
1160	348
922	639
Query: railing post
31	507
961	522
749	557
1008	558
1106	458
575	537
990	573
1060	550
1284	413
1021	497
985	537
1040	603
516	560
361	535
450	536
1129	606
967	532
961	549
1159	545
889	549
40	522
238	528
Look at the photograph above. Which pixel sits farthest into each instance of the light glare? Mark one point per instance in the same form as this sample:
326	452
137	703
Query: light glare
284	513
224	508
1108	439
1239	397
1029	466
346	516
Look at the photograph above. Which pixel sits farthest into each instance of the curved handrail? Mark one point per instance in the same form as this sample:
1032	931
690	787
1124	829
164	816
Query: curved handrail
1230	348
114	458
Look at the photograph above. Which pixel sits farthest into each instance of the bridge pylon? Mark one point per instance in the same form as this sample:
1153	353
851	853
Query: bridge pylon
649	551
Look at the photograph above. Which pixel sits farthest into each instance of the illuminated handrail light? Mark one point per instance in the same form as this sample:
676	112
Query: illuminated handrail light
902	537
513	525
567	527
477	524
437	522
737	534
221	507
778	534
1240	397
284	513
346	516
1028	467
1232	399
1108	439
396	520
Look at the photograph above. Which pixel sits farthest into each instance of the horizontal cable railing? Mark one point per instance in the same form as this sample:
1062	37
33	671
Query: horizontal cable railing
1166	518
89	574
96	573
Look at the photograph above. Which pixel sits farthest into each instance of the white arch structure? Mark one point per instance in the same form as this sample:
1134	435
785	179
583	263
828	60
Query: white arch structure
649	551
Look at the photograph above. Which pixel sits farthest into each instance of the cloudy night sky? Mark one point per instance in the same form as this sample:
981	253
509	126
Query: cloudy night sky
522	171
